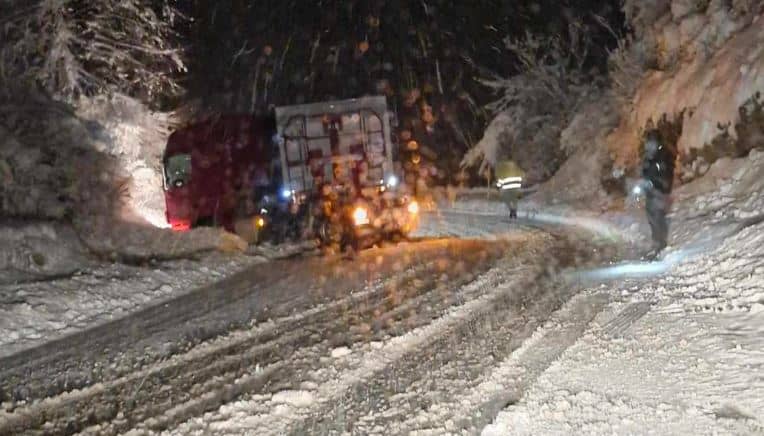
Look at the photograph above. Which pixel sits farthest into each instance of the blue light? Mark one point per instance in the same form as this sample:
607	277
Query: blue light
286	193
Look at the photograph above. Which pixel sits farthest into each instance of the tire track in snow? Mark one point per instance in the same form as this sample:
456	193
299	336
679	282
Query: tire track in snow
503	385
220	372
436	376
369	399
270	418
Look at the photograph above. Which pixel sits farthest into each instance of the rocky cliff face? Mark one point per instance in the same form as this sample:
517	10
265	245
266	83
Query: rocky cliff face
693	69
707	76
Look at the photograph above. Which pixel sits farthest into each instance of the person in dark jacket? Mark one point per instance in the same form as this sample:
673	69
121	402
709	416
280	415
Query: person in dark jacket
658	178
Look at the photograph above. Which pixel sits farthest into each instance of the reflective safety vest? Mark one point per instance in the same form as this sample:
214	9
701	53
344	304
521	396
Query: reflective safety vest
509	175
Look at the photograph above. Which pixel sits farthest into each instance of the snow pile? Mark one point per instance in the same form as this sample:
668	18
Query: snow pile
37	251
100	174
37	312
136	243
731	192
691	363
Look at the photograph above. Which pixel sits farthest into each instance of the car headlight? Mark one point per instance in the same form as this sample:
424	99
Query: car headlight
286	193
413	207
360	216
259	222
392	181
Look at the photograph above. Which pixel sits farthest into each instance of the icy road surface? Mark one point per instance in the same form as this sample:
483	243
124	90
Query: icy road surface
312	334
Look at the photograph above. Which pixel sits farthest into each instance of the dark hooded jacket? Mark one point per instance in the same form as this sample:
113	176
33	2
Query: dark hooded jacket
658	166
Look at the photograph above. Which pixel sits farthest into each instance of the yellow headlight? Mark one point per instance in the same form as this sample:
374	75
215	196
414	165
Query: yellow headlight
259	222
360	216
413	207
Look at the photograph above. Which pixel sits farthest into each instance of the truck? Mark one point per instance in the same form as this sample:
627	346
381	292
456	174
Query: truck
337	161
321	170
213	167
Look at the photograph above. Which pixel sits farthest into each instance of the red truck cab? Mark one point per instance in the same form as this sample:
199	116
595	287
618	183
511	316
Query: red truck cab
211	169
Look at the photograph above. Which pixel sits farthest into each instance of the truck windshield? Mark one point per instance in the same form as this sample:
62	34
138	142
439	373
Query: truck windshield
177	170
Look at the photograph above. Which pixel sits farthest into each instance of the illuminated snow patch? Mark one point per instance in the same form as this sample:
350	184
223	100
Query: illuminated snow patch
297	399
646	268
593	225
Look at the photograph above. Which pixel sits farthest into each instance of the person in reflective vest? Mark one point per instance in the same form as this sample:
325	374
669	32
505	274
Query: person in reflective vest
509	181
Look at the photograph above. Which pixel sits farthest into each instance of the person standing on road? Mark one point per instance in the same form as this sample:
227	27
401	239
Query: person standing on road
509	180
657	181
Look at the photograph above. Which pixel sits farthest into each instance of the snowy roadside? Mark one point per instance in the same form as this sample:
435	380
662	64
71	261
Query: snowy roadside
678	351
677	354
37	312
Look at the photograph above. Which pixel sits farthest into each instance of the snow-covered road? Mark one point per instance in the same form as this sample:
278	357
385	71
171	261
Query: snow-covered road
529	327
285	319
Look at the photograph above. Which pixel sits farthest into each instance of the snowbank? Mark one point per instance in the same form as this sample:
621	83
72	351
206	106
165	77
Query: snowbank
676	354
38	251
91	293
136	138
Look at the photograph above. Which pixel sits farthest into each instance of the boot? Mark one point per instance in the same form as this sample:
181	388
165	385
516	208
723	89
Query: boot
653	253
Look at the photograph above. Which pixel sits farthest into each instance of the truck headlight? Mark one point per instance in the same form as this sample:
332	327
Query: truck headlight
360	216
413	207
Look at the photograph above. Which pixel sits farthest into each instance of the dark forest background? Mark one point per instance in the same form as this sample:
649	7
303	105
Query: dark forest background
427	56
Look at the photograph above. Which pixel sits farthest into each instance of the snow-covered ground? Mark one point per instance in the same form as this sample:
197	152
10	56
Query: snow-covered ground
671	347
679	352
36	312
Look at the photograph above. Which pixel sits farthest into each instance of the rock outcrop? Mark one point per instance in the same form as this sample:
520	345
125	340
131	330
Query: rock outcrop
710	64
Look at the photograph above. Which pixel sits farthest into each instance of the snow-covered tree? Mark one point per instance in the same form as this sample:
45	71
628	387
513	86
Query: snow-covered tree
77	48
104	67
533	106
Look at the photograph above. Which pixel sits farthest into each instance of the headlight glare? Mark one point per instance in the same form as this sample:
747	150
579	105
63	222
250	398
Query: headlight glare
413	207
360	216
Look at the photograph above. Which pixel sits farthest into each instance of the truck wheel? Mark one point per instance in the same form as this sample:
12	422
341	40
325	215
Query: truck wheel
398	236
349	243
324	233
